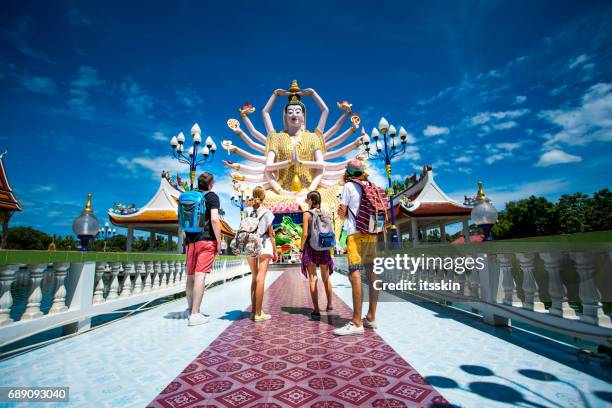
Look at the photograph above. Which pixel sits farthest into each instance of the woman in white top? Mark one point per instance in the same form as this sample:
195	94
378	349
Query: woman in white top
259	264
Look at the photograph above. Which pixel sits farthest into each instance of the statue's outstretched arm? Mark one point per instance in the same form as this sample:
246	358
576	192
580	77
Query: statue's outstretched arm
325	165
343	150
334	129
248	178
249	141
245	168
256	133
330	182
334	173
266	110
247	155
321	105
335	142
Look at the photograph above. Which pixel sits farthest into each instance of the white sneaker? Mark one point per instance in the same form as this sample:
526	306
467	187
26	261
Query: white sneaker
348	329
368	324
197	319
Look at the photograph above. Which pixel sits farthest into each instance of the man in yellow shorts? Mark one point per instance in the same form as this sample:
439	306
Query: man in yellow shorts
361	249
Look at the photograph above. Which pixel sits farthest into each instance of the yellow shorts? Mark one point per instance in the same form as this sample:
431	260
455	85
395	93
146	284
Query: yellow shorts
361	250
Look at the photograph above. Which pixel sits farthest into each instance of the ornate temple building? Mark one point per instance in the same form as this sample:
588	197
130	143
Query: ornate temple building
158	216
425	206
8	202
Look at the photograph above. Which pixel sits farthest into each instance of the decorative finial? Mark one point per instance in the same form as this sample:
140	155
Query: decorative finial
294	86
3	154
480	195
88	206
295	98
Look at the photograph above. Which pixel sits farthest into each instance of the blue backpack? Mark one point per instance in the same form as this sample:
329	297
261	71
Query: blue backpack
191	209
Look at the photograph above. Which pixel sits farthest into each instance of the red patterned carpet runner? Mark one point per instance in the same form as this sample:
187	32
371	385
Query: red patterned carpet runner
293	361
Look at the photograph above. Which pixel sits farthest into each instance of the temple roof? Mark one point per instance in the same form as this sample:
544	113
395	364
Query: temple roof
426	199
161	209
8	201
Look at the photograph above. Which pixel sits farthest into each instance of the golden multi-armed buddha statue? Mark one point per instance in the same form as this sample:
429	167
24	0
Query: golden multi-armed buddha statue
294	160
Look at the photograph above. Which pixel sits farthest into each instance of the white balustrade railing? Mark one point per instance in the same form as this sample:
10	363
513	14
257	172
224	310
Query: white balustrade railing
517	280
81	290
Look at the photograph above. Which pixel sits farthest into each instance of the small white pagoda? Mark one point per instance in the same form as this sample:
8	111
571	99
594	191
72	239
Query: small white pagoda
158	216
425	206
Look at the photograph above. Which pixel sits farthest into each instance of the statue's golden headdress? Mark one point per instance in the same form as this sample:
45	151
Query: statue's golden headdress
294	99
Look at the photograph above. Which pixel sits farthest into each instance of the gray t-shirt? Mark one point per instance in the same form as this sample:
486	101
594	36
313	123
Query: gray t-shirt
267	217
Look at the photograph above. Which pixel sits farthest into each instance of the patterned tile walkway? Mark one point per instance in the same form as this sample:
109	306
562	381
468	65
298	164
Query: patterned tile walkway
292	361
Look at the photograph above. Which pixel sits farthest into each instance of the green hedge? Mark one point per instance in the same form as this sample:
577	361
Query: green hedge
35	257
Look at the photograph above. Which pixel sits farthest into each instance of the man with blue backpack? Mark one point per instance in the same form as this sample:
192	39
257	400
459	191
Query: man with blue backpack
198	212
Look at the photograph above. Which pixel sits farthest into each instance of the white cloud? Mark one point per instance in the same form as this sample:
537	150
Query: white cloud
558	90
135	99
432	130
591	121
557	157
160	136
37	84
500	151
462	159
81	87
154	165
501	195
493	158
504	125
579	60
486	117
18	36
40	188
376	175
188	98
520	99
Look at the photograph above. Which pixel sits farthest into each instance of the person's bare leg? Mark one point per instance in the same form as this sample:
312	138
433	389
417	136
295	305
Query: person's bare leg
198	291
261	278
373	294
189	291
312	281
327	284
355	279
254	272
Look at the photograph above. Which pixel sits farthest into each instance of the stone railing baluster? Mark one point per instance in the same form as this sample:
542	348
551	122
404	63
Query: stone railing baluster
157	274
32	310
164	275
530	286
98	295
140	269
148	272
179	272
113	291
126	287
7	276
592	310
508	282
60	270
556	287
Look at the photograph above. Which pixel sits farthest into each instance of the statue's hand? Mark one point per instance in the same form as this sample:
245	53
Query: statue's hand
345	106
281	92
228	163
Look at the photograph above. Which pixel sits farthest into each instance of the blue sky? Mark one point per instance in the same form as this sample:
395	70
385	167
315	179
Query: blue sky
518	94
